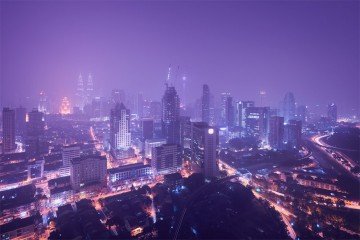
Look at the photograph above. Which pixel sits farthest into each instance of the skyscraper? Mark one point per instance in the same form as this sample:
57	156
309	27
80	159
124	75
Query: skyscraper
227	110
245	105
276	132
80	92
147	128
257	121
292	134
170	119
120	136
155	111
43	103
205	110
8	129
89	94
34	133
204	147
140	105
289	107
332	112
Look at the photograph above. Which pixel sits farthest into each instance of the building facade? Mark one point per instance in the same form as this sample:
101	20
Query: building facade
88	170
166	159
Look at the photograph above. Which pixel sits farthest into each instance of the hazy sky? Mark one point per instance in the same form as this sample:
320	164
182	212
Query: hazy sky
308	47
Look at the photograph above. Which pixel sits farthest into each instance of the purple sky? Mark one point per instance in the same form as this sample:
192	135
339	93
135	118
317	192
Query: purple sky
308	47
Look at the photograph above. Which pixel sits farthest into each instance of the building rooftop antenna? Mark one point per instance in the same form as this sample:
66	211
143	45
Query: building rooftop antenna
168	76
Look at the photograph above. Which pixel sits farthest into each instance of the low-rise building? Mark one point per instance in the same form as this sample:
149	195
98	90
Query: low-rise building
61	196
132	172
19	229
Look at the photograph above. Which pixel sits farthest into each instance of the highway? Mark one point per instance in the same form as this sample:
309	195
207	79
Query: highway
319	147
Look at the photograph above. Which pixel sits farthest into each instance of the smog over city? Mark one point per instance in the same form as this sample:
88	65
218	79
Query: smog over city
179	119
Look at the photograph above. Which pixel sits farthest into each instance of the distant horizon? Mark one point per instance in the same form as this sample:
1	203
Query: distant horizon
308	48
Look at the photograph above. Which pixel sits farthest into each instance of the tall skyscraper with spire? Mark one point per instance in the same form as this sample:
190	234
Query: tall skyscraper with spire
89	90
170	118
80	92
84	91
205	107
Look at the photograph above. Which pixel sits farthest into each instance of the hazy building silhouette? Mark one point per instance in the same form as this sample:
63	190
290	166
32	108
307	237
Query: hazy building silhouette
20	121
117	96
205	107
140	105
332	112
301	113
35	128
8	129
289	107
43	103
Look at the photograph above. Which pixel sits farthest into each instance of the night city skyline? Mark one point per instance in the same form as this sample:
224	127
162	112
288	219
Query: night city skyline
179	119
305	47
